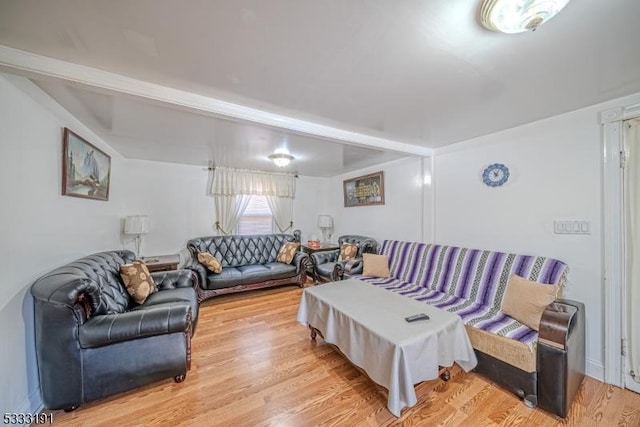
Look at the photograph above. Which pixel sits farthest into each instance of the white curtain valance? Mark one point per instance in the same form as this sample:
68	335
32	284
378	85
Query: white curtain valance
234	182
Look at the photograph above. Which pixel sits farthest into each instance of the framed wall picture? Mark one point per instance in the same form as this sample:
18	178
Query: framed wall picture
86	170
364	190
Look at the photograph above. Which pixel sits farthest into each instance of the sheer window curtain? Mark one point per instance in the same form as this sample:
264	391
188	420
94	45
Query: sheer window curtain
632	214
231	189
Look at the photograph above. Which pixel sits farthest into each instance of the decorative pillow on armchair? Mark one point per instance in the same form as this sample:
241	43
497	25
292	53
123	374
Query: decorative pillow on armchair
138	280
348	251
210	262
287	252
525	300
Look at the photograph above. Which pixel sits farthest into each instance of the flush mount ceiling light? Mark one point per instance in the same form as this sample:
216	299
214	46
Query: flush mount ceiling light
281	159
516	16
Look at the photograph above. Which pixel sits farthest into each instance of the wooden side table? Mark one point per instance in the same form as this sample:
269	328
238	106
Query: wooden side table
323	247
162	262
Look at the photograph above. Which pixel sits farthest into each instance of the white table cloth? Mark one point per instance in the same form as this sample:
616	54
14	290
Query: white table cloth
367	324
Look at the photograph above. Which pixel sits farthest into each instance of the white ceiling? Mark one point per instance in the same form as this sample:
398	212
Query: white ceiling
419	72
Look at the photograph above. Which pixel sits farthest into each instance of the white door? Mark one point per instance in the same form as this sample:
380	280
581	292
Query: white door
631	292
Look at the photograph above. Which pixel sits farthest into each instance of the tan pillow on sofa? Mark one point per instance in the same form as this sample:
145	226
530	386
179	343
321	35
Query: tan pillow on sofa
525	300
210	262
138	280
375	265
287	252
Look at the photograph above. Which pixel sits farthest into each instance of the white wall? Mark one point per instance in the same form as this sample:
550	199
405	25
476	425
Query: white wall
407	209
175	198
40	229
556	174
312	199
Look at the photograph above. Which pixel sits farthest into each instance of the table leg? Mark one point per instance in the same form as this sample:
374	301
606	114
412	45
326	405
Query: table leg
445	374
314	332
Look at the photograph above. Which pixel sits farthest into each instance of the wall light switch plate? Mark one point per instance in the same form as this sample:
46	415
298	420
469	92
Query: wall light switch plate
571	227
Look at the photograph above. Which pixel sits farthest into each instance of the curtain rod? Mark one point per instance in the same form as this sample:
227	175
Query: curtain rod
295	174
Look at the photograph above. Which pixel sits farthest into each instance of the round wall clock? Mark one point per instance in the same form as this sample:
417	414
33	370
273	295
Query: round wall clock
495	175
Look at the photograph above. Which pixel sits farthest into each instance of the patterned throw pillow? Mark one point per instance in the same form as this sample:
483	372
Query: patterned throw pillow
138	280
287	252
348	251
210	262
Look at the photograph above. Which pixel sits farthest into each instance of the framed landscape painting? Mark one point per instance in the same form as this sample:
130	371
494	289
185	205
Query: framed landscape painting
364	190
86	170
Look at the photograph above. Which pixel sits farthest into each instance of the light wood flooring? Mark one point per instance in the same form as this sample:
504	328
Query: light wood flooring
254	365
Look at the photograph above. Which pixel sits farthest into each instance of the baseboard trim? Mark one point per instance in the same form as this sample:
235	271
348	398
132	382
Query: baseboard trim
595	369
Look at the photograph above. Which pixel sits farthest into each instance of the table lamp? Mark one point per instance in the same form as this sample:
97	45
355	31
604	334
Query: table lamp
325	223
136	225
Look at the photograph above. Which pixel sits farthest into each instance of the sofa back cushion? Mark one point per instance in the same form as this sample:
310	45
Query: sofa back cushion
476	275
407	260
239	250
365	244
100	275
482	276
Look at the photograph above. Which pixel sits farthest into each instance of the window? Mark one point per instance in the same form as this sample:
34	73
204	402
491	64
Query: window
257	218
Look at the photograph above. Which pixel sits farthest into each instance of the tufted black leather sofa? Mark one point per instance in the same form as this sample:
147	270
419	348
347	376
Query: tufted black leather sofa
93	340
248	262
326	266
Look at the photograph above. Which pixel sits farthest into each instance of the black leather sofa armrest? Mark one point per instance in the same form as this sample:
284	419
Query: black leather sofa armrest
113	328
173	279
354	266
559	320
561	360
325	256
199	270
301	260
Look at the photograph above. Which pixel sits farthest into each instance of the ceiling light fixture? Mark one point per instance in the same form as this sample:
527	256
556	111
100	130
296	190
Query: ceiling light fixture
281	159
517	16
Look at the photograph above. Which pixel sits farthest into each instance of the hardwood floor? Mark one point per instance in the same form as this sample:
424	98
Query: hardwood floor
254	365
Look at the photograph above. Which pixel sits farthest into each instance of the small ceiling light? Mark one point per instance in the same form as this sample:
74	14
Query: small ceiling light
281	159
517	16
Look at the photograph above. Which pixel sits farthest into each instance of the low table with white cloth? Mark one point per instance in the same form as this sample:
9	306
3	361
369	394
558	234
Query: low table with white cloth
368	325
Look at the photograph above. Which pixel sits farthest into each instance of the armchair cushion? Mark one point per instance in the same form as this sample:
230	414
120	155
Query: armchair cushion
525	300
375	265
287	252
138	280
348	251
210	262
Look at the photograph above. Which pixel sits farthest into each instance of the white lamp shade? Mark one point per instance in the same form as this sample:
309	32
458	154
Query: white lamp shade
136	224
325	221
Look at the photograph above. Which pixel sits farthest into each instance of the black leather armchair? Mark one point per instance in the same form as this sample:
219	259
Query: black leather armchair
326	266
93	340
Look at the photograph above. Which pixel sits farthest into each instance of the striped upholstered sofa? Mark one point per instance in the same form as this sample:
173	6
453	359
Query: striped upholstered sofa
545	368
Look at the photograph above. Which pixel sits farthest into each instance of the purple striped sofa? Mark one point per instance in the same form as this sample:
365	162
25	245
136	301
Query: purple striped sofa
546	368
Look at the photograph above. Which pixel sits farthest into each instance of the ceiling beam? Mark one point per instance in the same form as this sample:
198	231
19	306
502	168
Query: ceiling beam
30	63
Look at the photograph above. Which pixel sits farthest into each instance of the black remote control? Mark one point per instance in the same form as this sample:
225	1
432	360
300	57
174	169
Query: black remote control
416	317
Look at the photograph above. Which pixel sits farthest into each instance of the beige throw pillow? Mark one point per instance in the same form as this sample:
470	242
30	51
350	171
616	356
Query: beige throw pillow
210	262
525	300
138	280
348	251
375	265
287	252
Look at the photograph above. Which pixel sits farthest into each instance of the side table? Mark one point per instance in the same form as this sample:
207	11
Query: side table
323	247
162	262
